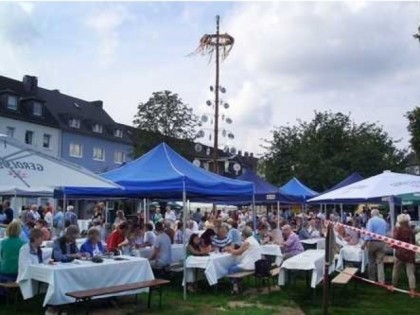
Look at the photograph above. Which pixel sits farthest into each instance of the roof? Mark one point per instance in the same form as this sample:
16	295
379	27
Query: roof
295	187
352	178
61	107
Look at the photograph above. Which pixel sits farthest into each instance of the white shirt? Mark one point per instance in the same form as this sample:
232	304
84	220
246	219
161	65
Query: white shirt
26	258
251	255
170	216
49	218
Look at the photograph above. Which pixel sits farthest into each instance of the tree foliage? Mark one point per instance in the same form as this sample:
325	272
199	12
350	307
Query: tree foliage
325	150
414	129
164	117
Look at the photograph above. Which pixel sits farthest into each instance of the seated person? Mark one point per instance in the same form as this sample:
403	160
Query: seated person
194	248
149	235
303	231
136	236
162	251
93	245
292	245
249	253
179	234
118	238
313	230
234	234
221	240
32	252
263	237
205	239
9	253
276	235
65	248
351	236
42	225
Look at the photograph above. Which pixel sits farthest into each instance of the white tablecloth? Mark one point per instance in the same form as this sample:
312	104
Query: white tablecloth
312	259
272	250
215	266
82	275
320	242
83	224
178	252
353	253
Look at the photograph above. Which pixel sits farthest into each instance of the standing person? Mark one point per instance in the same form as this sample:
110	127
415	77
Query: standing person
48	216
58	222
376	249
70	216
197	215
170	215
9	253
8	212
32	216
119	218
157	217
403	232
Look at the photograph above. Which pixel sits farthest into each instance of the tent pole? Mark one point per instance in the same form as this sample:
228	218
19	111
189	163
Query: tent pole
341	213
278	213
106	211
392	212
144	211
184	227
254	214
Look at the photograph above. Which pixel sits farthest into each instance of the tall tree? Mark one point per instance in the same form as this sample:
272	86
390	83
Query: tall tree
414	129
164	117
325	150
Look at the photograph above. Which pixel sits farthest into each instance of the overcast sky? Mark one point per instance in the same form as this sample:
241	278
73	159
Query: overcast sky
289	59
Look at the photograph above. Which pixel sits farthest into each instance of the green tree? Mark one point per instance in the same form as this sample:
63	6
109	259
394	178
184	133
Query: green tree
164	117
414	129
327	149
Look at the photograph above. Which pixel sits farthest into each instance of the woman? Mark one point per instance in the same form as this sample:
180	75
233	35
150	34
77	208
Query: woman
136	236
179	235
93	245
194	248
42	225
97	215
64	248
9	253
206	240
403	232
249	253
119	219
32	252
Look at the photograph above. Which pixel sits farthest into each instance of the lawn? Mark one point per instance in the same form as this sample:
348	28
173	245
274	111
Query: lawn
295	299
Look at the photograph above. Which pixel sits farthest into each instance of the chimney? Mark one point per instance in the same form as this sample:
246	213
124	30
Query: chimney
30	83
251	155
97	104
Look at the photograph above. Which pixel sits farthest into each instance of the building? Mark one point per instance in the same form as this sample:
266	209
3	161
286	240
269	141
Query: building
76	130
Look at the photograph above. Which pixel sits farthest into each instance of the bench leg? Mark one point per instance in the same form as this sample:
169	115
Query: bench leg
160	296
150	298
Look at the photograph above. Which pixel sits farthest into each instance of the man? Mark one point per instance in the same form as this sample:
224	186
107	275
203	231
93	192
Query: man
32	216
118	238
64	248
170	231
58	222
70	216
197	216
162	253
221	240
170	215
8	212
234	233
292	245
376	249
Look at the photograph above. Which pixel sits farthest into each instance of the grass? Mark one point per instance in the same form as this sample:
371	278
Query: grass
294	299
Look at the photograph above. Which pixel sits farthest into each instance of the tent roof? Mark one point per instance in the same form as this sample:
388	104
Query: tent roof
25	170
163	173
352	178
295	187
386	184
264	191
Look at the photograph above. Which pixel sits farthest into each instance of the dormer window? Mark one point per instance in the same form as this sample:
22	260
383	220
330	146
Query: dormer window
118	133
37	109
74	123
12	102
97	128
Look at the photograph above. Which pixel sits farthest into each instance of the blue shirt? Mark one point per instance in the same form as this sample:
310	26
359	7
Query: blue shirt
235	236
376	225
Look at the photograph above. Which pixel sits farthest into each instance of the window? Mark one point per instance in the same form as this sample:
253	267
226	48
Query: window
10	131
37	109
98	154
74	123
118	133
46	141
119	157
12	102
97	128
29	136
76	150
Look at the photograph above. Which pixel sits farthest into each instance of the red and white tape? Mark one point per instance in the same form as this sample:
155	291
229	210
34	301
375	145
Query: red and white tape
388	240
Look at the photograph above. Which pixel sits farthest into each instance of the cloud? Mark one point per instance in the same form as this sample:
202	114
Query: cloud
106	23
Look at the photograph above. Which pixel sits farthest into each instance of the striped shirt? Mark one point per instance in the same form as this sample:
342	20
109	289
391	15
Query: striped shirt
221	243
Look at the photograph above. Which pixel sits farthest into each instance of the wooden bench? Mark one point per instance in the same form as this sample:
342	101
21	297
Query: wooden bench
87	295
240	274
345	276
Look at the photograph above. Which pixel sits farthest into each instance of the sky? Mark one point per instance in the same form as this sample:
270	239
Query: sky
289	58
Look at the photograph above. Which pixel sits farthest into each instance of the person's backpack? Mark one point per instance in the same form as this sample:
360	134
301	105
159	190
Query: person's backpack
262	268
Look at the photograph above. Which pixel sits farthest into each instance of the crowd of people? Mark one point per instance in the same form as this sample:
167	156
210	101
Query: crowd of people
236	232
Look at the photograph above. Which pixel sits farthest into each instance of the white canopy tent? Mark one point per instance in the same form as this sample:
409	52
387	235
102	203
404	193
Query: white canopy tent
383	186
27	171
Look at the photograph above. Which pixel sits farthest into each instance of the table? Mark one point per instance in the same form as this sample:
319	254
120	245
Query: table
319	242
310	260
272	250
178	252
216	266
352	253
82	275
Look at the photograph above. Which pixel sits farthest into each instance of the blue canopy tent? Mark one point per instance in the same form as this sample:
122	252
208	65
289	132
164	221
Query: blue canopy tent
264	191
297	189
